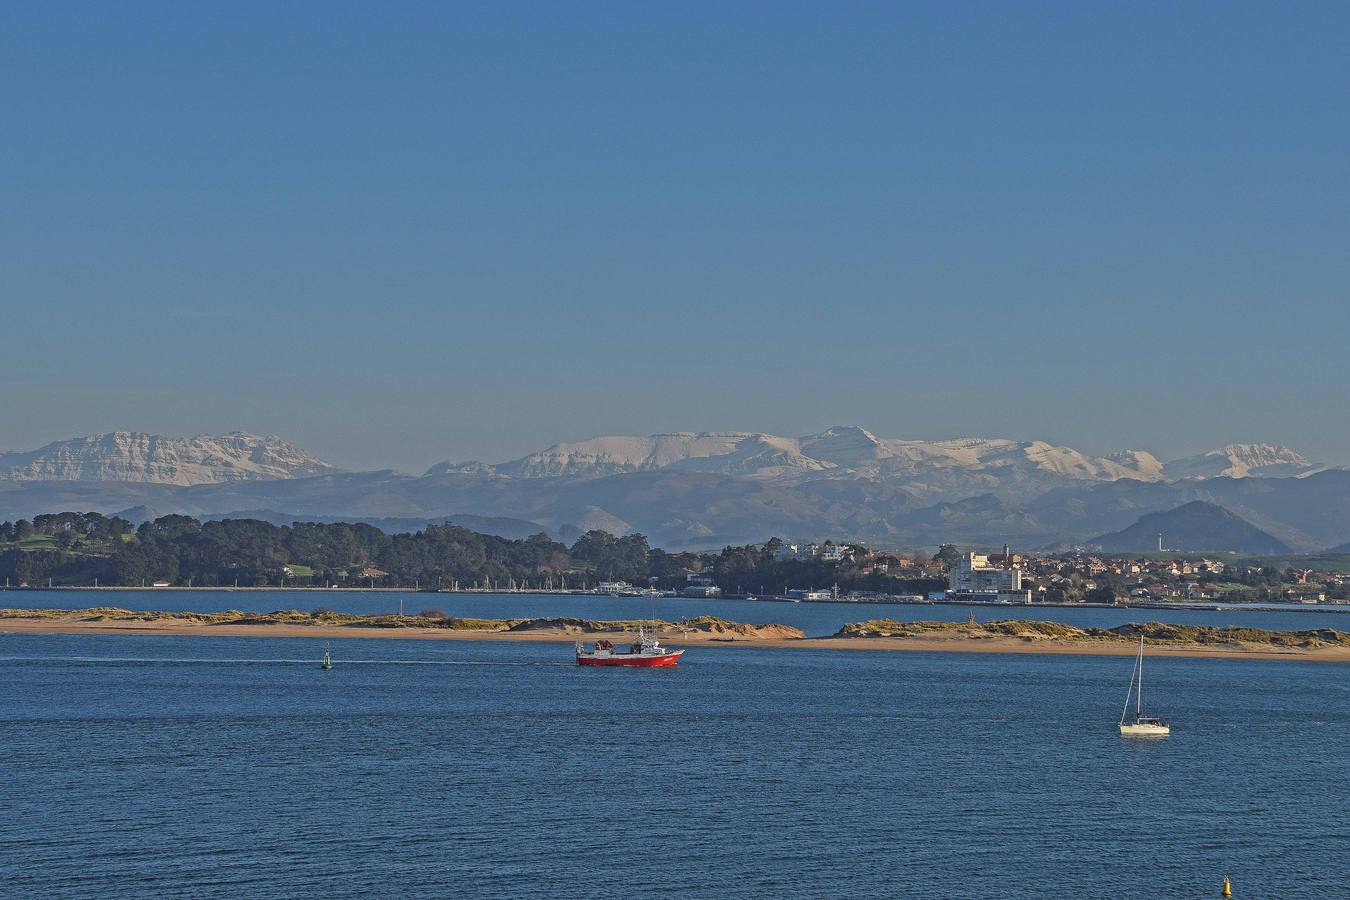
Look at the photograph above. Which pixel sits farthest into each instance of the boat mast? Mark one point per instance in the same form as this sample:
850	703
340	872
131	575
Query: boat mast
651	605
1139	694
1129	690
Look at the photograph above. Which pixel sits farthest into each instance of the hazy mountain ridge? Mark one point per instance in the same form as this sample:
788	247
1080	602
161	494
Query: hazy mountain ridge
944	471
694	509
127	456
1194	526
941	470
734	452
713	488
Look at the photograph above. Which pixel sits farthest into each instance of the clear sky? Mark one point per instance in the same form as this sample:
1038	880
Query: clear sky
398	233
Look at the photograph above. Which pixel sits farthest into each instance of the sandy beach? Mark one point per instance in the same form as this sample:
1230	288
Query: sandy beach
1025	646
706	633
410	632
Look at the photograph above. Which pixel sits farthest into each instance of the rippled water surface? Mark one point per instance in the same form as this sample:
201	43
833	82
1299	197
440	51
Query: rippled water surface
165	765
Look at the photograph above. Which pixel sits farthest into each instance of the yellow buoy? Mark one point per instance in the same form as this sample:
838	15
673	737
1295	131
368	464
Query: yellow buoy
1227	888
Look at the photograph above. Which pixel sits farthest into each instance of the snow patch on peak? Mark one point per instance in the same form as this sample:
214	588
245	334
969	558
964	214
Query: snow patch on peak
847	446
935	468
1243	461
140	457
1148	466
615	454
1070	463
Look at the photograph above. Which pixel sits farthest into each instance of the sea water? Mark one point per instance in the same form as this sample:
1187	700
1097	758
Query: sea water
234	766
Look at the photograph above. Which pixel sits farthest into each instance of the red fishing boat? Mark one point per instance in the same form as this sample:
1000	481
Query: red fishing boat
646	652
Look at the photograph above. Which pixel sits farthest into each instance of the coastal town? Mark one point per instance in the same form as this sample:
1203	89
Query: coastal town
1077	577
1007	577
1085	577
88	550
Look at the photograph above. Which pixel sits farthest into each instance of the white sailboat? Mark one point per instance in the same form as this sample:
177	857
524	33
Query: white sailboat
1142	726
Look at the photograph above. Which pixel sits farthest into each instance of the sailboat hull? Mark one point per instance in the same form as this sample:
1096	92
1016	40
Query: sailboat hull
1145	730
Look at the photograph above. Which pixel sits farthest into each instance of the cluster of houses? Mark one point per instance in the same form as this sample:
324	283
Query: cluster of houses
898	566
826	552
1009	577
1094	577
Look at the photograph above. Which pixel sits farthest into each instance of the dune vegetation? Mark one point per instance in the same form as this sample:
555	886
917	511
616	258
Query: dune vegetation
1155	633
706	626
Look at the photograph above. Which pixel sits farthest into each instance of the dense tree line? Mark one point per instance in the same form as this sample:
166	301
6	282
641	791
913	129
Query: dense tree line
81	548
69	528
179	549
755	568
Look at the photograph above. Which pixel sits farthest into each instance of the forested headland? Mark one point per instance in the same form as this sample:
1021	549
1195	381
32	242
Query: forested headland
87	549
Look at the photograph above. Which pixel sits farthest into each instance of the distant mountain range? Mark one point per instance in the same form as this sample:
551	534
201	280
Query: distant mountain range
705	489
150	458
928	469
1242	461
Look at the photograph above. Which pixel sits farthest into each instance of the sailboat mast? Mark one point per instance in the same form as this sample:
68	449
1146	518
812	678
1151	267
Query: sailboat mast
1139	695
1126	708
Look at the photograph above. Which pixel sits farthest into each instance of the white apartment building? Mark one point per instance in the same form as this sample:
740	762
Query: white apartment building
974	574
827	552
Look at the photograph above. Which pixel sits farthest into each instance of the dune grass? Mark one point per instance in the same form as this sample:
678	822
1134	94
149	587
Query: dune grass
700	625
1158	633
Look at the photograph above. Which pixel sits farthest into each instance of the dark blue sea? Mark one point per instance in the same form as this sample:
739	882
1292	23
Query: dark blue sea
139	766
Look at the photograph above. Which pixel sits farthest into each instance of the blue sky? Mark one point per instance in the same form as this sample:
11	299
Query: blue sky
403	233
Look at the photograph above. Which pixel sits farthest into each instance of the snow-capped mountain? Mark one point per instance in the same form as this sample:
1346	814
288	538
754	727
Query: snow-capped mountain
849	451
615	454
933	471
856	449
127	456
929	469
703	489
1140	461
1242	461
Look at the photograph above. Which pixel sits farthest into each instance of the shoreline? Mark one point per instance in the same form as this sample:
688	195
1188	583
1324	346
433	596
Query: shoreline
719	634
1210	606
